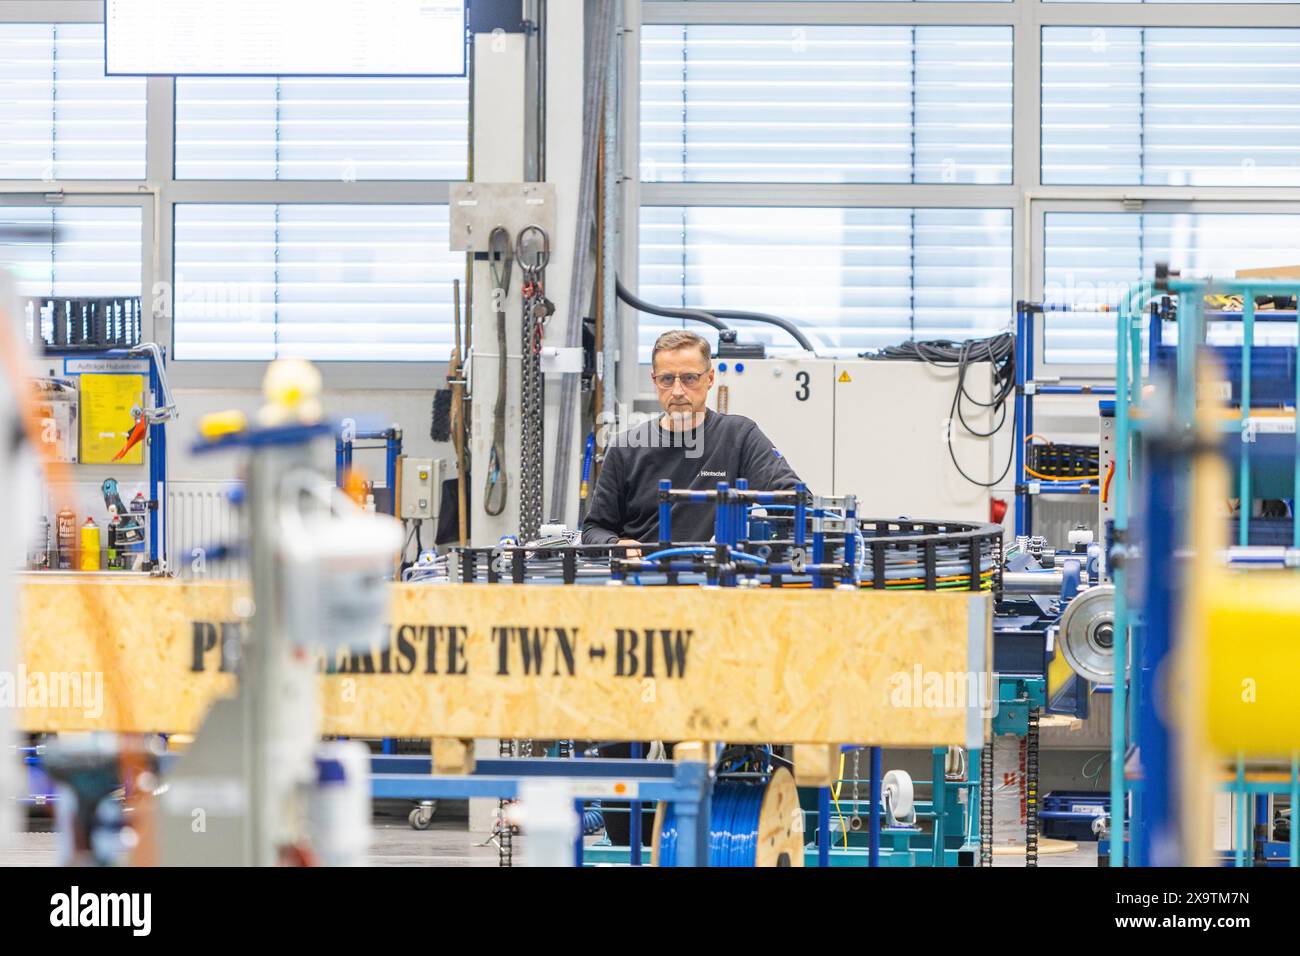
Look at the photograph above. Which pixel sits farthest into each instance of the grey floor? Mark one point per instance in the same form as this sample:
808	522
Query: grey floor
446	843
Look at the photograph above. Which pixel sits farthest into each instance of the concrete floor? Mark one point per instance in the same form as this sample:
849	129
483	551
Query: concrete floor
446	843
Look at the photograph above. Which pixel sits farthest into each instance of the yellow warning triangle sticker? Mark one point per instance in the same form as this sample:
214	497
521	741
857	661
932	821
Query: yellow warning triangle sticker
844	376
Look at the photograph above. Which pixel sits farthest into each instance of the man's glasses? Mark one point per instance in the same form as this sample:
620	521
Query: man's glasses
667	380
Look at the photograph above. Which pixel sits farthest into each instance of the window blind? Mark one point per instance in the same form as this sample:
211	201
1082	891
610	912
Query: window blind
1171	106
91	251
324	282
854	278
60	117
804	104
1093	258
321	128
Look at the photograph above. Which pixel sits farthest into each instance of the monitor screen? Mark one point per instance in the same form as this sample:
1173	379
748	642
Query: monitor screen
284	37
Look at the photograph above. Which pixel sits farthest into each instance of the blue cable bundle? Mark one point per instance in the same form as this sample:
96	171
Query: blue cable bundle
733	826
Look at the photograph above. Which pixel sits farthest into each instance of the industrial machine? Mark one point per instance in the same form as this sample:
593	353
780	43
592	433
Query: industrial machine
768	541
1215	621
889	432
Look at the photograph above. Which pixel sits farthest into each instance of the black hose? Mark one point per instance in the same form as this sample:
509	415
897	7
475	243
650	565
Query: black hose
713	316
795	332
642	306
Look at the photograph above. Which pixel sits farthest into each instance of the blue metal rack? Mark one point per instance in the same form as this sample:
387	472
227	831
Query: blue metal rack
1027	387
1150	457
155	451
686	784
344	445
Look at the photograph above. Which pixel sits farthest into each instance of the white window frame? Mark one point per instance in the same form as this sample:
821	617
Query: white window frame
1039	209
159	192
1026	195
40	199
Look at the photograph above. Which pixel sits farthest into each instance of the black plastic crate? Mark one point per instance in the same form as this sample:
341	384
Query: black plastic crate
1068	814
1064	461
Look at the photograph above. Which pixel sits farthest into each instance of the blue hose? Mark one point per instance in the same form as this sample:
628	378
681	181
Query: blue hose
673	552
733	826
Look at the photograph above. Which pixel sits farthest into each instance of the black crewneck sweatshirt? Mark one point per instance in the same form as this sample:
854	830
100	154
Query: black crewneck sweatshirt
721	448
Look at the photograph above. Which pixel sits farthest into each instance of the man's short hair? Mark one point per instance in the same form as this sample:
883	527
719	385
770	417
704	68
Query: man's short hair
675	339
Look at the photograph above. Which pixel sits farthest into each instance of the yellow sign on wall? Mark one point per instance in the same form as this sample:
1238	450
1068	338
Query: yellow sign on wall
106	420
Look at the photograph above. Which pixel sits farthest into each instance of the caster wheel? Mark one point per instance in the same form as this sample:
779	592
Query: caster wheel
421	817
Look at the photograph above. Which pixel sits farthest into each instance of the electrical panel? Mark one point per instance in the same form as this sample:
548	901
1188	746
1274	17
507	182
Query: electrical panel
897	435
421	487
793	402
880	430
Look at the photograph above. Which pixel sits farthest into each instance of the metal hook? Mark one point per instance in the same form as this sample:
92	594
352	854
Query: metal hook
543	256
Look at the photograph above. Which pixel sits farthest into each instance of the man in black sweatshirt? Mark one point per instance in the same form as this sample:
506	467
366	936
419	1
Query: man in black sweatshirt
690	445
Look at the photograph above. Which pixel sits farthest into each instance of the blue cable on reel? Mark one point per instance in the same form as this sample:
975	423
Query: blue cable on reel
733	827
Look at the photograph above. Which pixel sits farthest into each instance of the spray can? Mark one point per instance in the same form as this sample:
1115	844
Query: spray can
114	521
66	539
41	555
89	545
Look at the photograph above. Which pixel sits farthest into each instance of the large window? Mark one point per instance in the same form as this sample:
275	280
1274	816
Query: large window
1171	107
295	216
882	172
323	282
826	104
87	251
1091	258
853	278
60	117
321	128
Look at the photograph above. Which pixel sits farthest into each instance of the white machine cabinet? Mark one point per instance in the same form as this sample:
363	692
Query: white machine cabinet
891	429
874	429
793	401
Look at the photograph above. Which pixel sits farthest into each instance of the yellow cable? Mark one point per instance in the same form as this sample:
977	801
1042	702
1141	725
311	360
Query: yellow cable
835	796
1031	471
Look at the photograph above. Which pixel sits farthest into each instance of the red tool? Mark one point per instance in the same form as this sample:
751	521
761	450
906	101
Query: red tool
136	436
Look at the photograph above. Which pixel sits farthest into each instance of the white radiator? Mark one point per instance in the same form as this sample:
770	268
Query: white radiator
201	519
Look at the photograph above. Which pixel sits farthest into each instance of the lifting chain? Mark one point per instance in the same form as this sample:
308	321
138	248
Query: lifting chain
537	310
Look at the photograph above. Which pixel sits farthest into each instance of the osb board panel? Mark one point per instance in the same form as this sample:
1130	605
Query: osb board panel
464	661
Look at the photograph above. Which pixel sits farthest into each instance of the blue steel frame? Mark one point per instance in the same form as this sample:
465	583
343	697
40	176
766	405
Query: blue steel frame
908	847
1026	388
686	784
408	777
1153	812
392	439
155	449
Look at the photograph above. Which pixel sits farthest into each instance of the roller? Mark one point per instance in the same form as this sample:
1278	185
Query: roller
1086	634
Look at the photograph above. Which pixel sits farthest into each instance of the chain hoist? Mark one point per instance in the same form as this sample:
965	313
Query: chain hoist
533	252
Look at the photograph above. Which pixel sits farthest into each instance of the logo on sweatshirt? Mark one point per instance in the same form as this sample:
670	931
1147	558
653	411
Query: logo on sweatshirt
711	474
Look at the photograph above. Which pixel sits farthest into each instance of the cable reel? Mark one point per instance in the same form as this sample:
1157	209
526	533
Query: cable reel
1086	634
750	824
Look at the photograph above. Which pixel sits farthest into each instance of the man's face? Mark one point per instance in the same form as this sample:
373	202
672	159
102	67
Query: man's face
683	365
